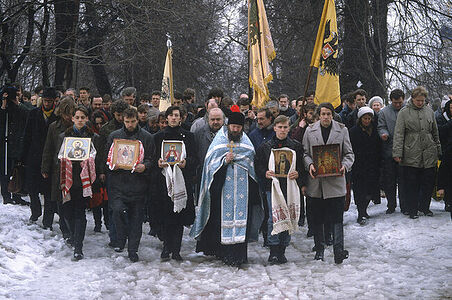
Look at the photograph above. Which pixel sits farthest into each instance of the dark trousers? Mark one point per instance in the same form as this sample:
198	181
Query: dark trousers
419	183
75	217
393	180
362	200
324	212
36	208
172	239
128	218
98	212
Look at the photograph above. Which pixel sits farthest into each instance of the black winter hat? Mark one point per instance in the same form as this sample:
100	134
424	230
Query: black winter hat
50	93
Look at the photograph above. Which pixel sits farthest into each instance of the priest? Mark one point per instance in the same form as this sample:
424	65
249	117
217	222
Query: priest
230	209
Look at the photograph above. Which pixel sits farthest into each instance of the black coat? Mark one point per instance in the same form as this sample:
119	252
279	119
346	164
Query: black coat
35	135
163	203
263	155
366	167
50	164
17	118
104	132
123	185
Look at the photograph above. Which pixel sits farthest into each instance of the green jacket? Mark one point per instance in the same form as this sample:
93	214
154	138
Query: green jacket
416	138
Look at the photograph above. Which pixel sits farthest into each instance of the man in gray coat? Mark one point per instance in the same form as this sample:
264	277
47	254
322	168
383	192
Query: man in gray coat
327	194
392	173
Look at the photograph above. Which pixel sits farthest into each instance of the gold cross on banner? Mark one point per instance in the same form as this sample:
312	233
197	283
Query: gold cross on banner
231	146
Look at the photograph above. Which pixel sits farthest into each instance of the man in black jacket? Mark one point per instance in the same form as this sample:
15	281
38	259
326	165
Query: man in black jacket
127	189
278	242
117	109
35	135
13	116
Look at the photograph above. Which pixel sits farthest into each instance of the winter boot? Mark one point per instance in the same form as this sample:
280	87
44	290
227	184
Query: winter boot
281	255
340	256
274	251
319	255
133	256
78	255
165	256
338	247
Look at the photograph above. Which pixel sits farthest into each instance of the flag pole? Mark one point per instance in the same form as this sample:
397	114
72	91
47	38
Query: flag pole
169	45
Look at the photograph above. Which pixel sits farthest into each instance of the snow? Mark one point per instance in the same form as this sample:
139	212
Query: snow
391	257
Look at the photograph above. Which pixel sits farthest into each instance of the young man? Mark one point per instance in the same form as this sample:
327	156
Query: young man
84	97
360	97
283	193
327	194
175	200
127	189
143	116
393	180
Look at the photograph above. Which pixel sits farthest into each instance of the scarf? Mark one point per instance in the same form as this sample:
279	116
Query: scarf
285	214
88	176
175	182
65	178
48	113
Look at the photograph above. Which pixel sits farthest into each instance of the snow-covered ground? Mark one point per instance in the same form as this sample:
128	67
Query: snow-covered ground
391	257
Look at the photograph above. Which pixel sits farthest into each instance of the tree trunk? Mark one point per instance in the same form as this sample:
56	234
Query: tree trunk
365	46
66	22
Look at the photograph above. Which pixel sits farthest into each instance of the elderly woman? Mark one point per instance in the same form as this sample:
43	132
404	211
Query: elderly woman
416	148
366	170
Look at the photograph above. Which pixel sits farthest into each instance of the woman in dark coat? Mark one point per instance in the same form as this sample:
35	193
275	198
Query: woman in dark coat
73	210
366	170
444	122
173	222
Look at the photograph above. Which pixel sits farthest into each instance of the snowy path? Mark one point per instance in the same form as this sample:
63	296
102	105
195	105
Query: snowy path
390	258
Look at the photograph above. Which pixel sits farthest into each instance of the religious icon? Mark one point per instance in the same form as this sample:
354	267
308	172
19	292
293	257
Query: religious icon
327	160
125	153
172	151
76	149
283	160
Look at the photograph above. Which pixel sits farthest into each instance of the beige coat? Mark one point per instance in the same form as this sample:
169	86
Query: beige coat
327	187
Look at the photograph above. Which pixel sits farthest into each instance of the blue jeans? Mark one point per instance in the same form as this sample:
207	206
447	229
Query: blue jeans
282	238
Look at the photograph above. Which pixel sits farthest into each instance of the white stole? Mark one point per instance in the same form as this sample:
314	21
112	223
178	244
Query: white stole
285	214
175	183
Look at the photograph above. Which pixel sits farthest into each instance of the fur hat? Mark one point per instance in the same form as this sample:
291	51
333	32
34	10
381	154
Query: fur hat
365	110
376	99
236	117
49	93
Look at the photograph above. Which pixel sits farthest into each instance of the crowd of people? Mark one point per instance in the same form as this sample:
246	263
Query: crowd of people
245	170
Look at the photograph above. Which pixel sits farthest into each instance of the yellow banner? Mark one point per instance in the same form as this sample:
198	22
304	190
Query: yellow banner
261	51
324	57
167	82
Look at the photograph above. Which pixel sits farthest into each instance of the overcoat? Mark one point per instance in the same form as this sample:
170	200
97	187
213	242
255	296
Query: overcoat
327	187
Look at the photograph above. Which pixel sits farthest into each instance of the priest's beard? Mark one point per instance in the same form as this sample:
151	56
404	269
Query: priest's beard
234	136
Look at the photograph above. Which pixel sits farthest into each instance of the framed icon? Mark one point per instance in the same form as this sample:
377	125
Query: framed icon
327	160
125	153
76	148
171	151
283	161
